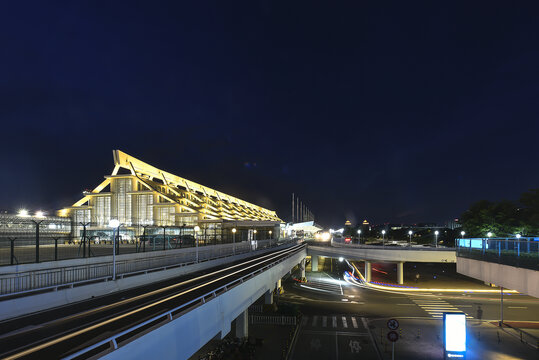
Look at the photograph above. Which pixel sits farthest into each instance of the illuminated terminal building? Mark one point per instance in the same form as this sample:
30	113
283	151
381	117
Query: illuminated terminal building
150	202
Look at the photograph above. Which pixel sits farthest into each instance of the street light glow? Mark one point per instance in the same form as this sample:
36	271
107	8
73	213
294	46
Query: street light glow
518	236
489	234
40	213
234	230
462	233
383	232
359	231
341	259
410	232
197	228
23	212
436	232
114	223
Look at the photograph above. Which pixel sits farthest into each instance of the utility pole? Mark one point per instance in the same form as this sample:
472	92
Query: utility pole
292	208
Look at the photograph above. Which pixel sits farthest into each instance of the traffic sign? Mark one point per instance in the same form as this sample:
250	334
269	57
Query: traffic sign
392	336
392	324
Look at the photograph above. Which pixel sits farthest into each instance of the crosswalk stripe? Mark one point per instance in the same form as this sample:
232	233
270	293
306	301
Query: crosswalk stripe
334	321
354	322
324	321
344	323
315	318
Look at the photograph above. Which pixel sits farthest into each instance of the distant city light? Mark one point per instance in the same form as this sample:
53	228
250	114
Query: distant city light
234	230
40	213
197	228
359	231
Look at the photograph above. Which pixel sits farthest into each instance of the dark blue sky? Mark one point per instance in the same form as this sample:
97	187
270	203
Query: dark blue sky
391	112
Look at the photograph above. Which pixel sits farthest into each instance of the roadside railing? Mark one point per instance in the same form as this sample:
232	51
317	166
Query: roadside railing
54	278
520	252
272	320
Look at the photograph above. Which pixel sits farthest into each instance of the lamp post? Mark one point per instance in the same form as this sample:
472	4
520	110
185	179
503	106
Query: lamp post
410	235
270	237
234	240
359	236
383	238
197	229
254	232
462	233
115	225
436	237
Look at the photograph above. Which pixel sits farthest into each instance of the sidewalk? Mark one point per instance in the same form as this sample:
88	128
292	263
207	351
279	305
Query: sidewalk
422	339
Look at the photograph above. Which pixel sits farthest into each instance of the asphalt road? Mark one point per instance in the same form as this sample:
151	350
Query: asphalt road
332	308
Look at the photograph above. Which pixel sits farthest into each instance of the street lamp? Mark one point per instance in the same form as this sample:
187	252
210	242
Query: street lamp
462	233
518	236
383	238
270	237
359	236
114	224
436	235
234	240
410	234
197	229
489	234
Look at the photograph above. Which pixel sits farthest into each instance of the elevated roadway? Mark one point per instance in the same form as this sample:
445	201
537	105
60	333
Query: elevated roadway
192	308
371	253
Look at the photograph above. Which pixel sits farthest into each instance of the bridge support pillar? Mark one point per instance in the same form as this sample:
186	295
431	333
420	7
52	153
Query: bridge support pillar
400	272
368	271
268	297
314	263
242	325
302	268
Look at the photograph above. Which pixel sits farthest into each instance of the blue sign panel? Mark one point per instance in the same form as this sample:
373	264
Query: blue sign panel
454	335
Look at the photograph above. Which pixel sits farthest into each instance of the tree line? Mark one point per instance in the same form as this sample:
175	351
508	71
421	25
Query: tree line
503	218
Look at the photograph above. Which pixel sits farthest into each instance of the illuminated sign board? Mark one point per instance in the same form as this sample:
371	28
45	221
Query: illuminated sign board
454	335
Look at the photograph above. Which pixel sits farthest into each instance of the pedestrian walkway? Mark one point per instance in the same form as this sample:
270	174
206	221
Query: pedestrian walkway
435	306
333	336
333	323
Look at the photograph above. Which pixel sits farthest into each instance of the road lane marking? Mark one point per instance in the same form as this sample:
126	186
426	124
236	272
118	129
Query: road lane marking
406	304
344	322
517	307
324	321
354	322
334	321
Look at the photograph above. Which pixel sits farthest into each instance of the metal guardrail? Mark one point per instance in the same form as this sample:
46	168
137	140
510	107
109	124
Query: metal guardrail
272	320
173	314
519	252
54	279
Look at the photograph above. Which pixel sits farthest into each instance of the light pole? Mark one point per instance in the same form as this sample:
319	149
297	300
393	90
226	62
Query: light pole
359	236
410	235
462	233
383	238
234	241
254	232
270	237
436	237
114	224
197	229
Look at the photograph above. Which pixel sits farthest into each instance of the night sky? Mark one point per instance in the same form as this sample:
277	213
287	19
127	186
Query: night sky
392	112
